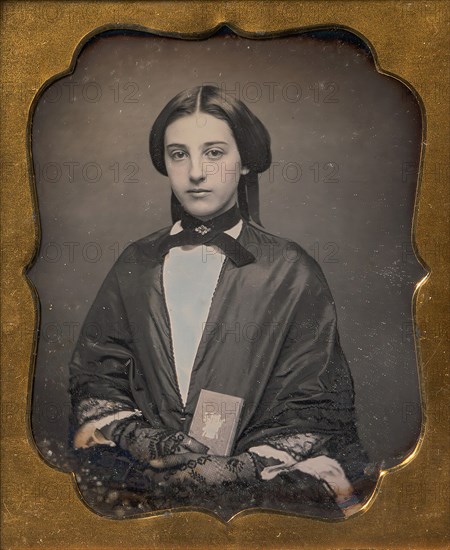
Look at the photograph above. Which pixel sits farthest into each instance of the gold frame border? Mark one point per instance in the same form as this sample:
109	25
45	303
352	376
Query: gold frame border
203	35
30	516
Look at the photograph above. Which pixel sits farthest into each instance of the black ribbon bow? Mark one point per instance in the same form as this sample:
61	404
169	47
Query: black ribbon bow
196	231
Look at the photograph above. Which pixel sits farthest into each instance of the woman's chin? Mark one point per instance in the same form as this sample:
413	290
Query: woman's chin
201	210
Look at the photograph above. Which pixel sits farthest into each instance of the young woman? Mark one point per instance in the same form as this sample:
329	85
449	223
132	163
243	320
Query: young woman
214	302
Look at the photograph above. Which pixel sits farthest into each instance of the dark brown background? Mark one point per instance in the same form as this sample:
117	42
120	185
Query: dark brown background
356	221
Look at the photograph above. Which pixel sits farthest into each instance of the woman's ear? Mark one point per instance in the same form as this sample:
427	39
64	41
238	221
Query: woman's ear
244	171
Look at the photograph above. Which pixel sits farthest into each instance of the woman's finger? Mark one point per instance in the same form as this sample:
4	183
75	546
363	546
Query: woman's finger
195	446
172	461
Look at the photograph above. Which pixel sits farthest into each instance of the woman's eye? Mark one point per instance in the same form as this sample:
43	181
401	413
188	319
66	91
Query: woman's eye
178	155
214	153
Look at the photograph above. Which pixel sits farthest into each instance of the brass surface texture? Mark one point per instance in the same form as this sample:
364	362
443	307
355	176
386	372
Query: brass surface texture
40	507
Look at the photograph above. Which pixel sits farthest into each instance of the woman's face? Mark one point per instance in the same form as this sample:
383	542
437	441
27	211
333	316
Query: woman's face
203	164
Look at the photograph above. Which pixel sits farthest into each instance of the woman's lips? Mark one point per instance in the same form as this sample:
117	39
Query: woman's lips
198	193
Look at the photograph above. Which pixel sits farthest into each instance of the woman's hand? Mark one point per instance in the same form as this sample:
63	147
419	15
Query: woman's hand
145	443
323	468
329	470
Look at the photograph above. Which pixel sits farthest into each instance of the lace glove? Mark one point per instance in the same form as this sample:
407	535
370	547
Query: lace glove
203	471
209	470
145	443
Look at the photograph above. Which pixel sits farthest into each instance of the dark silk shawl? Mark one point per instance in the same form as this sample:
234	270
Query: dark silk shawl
270	338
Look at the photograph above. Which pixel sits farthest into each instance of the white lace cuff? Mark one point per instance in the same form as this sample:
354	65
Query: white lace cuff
88	434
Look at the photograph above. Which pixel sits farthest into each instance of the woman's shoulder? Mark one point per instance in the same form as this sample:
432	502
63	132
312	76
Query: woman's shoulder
288	259
276	247
143	242
266	236
143	248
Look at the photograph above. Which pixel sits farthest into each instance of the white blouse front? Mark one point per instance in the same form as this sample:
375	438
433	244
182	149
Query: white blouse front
190	276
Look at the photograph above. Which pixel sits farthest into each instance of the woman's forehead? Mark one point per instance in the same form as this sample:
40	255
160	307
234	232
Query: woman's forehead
198	128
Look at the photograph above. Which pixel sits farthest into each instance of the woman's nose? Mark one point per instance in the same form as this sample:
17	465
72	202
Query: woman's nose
196	172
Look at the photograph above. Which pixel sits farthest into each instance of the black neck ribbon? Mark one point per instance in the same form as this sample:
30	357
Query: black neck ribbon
212	231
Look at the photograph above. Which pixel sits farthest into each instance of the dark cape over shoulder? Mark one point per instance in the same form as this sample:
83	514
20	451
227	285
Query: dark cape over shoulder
271	338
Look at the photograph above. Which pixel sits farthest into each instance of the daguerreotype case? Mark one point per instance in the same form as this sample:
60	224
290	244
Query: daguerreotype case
224	274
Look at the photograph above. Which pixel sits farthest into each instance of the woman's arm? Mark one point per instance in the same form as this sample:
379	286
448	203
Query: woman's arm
307	408
100	366
104	410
